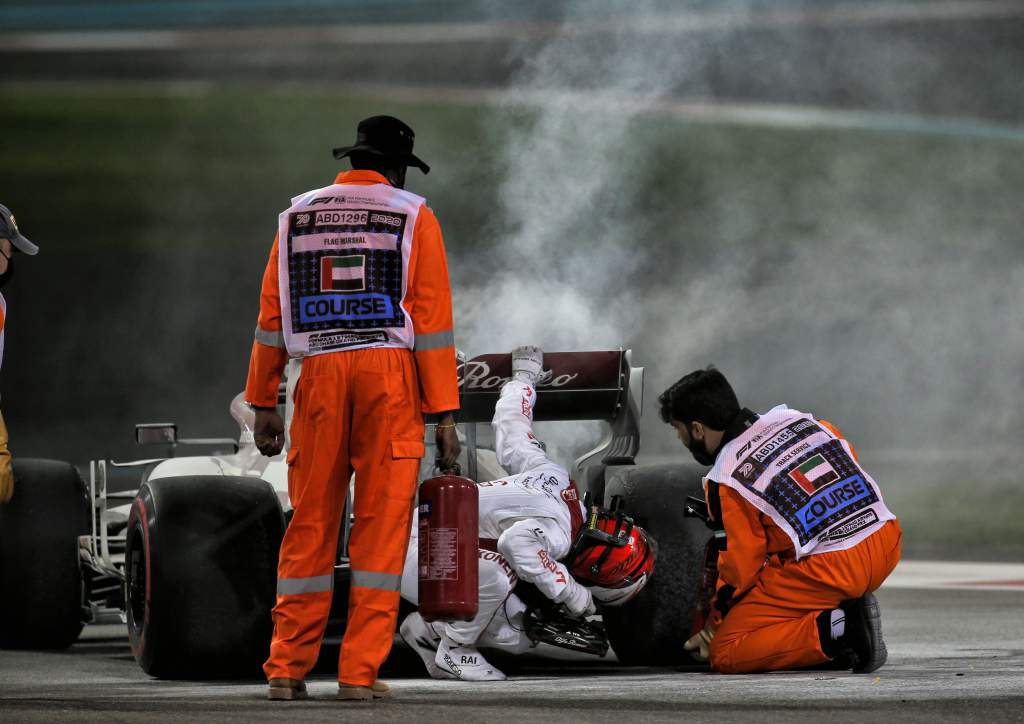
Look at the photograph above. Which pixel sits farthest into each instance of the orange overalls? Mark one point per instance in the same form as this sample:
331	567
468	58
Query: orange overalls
772	622
6	473
356	410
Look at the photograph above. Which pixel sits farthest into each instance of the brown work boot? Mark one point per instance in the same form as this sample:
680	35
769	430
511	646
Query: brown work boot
282	689
351	692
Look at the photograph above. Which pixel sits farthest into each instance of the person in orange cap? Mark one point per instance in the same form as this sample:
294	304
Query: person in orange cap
356	295
807	536
11	241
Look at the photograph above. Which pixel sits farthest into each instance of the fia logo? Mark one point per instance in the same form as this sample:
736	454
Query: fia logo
326	200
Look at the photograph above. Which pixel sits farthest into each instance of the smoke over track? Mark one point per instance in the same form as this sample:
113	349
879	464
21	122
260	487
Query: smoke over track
875	284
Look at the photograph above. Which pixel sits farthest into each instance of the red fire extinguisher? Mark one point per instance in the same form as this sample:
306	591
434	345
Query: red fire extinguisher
449	537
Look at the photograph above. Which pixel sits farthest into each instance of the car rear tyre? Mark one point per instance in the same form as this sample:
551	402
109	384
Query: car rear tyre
41	587
201	573
652	628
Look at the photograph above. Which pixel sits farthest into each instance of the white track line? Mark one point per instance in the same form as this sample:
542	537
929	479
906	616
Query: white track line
759	115
957	575
712	112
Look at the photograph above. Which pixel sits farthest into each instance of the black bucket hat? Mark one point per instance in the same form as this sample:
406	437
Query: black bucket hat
384	136
9	230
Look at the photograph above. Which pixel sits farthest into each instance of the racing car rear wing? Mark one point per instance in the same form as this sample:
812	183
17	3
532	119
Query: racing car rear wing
602	385
573	385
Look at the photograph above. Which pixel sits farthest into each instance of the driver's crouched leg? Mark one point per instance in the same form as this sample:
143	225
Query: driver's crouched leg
497	579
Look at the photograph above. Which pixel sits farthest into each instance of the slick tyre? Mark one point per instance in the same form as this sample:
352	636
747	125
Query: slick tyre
43	593
651	629
201	573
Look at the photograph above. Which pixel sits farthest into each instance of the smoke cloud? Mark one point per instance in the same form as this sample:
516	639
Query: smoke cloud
567	235
868	279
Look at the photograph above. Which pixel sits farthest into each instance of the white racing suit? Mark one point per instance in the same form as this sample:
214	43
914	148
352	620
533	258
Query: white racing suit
532	515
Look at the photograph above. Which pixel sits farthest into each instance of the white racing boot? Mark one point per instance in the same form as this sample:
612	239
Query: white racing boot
423	638
465	662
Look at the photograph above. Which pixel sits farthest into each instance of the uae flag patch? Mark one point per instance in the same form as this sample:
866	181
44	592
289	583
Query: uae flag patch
814	474
343	273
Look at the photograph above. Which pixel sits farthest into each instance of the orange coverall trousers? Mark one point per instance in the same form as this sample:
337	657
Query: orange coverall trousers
354	411
774	626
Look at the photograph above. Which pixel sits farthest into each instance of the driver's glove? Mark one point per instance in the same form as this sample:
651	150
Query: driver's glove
527	364
577	600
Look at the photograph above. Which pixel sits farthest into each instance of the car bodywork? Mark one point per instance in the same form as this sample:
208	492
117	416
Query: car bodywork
601	385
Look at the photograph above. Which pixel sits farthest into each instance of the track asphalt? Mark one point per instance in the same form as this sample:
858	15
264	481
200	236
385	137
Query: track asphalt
955	634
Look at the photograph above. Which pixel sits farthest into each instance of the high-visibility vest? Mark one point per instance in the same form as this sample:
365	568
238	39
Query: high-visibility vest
805	478
343	268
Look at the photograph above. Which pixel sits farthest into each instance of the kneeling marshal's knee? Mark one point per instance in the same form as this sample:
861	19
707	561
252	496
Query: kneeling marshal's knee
721	660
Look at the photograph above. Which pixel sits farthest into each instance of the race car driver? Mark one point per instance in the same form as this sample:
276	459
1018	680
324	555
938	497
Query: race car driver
531	529
356	293
11	240
807	536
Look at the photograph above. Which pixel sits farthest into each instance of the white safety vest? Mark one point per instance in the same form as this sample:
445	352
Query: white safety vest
343	268
798	473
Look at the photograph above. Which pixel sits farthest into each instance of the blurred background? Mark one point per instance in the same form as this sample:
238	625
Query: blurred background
819	197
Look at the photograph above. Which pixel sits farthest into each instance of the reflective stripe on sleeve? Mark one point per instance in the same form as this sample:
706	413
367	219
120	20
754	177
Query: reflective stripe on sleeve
381	581
435	340
271	339
295	586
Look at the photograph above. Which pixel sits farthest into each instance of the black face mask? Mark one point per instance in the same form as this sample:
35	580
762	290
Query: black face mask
6	276
699	451
743	419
